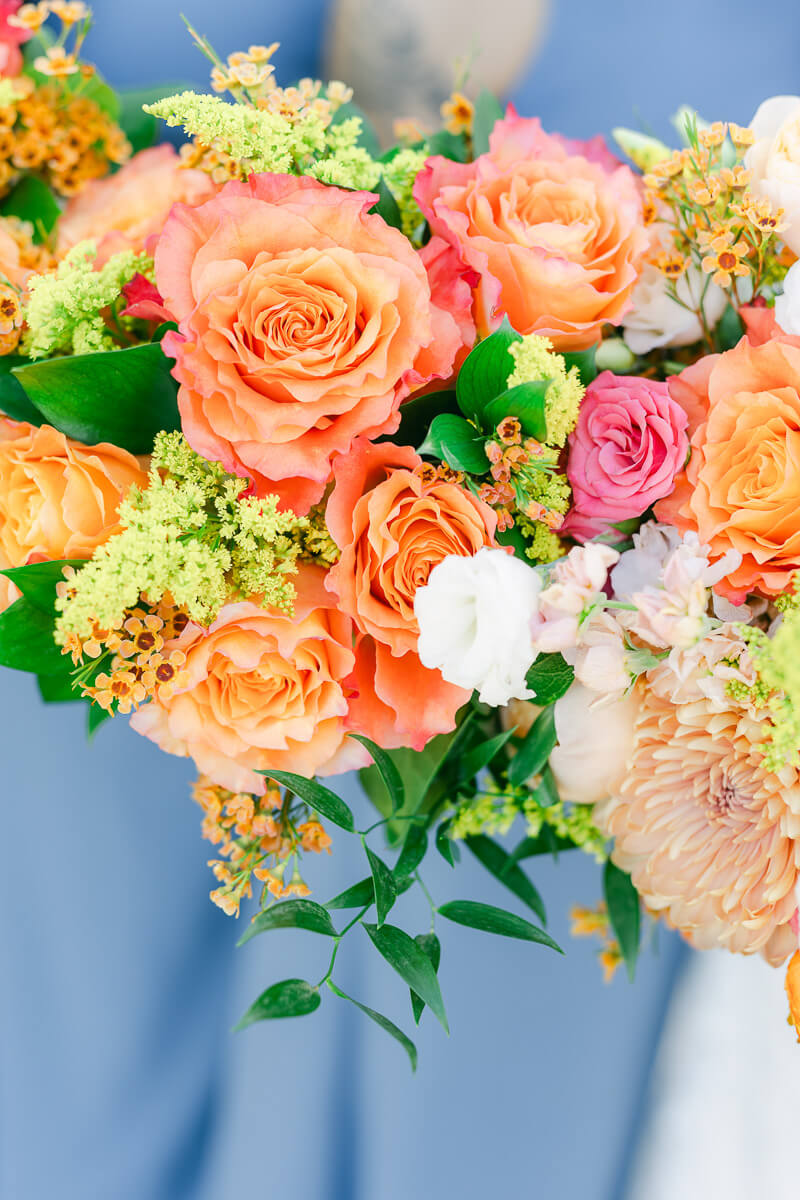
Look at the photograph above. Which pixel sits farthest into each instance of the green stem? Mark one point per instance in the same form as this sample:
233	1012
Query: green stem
337	942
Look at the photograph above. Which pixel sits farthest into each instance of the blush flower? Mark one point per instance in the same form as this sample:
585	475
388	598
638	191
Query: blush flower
12	36
58	498
122	211
262	690
393	525
741	488
554	231
708	835
304	321
628	446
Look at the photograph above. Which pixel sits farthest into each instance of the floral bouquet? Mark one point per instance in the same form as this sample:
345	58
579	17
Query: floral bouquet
473	464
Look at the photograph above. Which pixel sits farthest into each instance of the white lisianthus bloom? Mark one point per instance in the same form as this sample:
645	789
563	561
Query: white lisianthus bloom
475	616
657	320
787	306
774	159
594	742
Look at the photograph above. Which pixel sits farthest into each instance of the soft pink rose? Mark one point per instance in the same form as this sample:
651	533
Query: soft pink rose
124	210
552	229
11	38
304	320
629	444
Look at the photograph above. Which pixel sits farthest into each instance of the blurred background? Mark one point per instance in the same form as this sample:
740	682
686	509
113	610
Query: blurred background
119	1078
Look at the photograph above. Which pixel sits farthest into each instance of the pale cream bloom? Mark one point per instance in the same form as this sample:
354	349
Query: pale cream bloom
707	834
774	159
595	739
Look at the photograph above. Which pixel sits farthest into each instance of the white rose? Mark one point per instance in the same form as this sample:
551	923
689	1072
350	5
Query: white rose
787	306
658	320
474	617
594	743
774	159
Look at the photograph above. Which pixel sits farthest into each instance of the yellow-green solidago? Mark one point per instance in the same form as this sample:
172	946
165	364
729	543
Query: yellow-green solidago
193	535
62	314
535	359
777	663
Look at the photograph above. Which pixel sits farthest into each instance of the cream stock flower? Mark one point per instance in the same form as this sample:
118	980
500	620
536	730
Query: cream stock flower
708	835
774	159
595	738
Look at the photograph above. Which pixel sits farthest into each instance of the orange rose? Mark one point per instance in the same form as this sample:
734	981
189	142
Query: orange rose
123	210
58	498
304	321
392	527
264	690
741	488
552	229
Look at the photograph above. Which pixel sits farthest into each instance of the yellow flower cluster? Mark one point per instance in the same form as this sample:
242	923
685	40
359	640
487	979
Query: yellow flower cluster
257	837
777	663
527	488
66	139
190	536
715	223
594	922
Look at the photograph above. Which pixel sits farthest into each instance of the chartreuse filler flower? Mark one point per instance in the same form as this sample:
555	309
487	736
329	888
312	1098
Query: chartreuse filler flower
467	462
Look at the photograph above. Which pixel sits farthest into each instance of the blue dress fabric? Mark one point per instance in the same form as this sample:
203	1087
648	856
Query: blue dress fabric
119	1079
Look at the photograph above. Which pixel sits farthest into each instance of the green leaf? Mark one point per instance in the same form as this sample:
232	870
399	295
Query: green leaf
546	794
383	883
624	913
358	895
291	914
513	538
32	200
497	863
120	396
456	441
488	112
388	771
535	749
412	965
386	1025
416	415
139	127
326	802
546	841
95	717
368	137
584	360
37	581
386	205
730	329
549	678
413	851
526	402
26	640
495	920
57	689
289	998
13	399
431	947
445	844
449	145
485	372
480	756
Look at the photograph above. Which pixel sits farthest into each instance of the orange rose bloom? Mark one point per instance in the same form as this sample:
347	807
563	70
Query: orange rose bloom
741	487
123	210
392	528
553	231
264	690
304	321
58	498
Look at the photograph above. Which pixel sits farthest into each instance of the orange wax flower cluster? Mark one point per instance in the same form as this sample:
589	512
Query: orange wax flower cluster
68	140
256	837
594	922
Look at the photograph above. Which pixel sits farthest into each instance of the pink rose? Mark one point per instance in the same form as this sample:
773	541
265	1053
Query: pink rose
629	444
11	38
553	231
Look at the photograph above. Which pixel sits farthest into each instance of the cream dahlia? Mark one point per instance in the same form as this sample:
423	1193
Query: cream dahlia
708	835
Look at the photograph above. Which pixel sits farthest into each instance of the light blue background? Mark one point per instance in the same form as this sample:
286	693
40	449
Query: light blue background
118	1077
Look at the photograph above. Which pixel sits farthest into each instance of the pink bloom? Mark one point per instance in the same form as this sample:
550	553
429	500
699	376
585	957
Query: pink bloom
629	444
144	300
304	320
575	584
553	231
11	38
